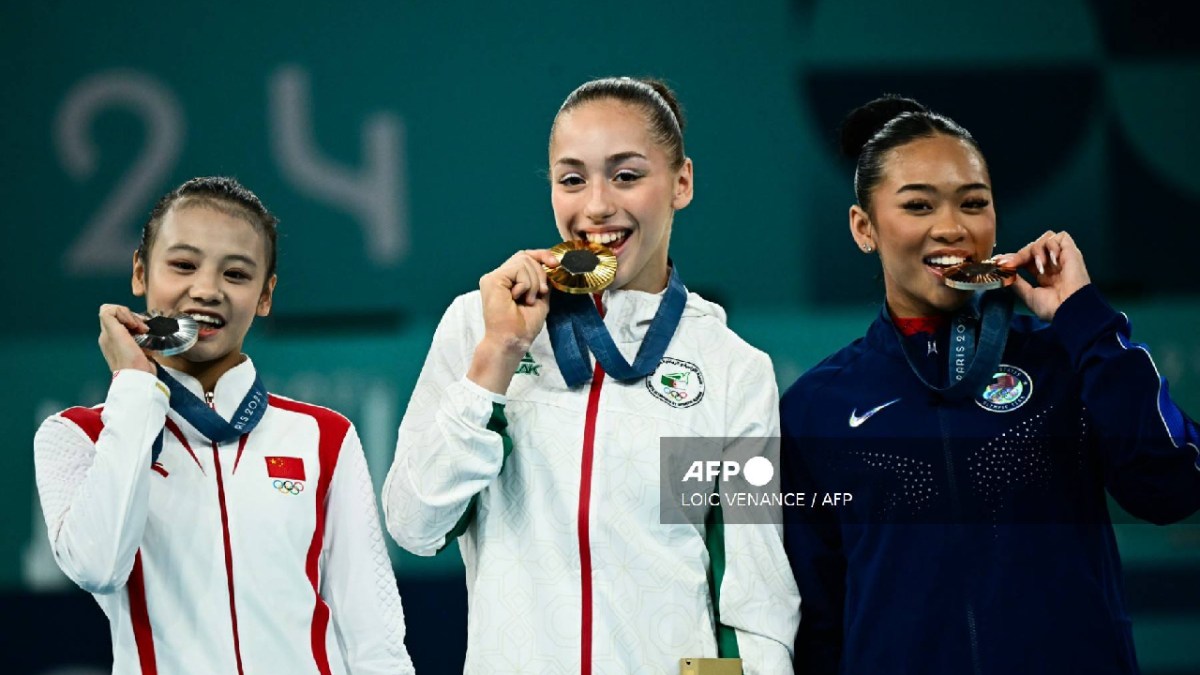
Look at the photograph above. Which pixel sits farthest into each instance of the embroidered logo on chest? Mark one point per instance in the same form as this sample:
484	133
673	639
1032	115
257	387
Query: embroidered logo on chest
288	487
528	366
677	383
288	473
1009	389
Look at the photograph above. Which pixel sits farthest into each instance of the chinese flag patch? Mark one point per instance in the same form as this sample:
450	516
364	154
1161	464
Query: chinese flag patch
291	468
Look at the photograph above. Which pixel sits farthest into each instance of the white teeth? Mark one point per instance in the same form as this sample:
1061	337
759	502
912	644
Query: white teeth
605	237
209	320
945	260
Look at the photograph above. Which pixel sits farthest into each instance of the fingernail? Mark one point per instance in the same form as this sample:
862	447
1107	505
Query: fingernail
1040	266
1054	258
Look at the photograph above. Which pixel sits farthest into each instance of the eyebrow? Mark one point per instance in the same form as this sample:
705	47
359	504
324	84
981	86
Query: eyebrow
233	257
612	159
923	187
622	156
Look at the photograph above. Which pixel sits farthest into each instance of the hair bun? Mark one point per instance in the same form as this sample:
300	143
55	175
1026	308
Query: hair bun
866	120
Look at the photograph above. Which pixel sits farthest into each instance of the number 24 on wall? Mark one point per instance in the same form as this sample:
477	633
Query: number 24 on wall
374	194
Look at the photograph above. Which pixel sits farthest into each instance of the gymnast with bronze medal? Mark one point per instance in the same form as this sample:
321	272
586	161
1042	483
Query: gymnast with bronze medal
980	444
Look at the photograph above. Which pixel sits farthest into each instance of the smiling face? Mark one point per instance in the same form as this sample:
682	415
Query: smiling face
932	209
611	183
213	266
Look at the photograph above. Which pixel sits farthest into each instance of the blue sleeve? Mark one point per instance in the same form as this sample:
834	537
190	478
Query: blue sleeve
812	539
1147	445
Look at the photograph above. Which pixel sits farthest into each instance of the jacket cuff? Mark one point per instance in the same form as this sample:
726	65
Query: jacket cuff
137	404
1083	318
468	401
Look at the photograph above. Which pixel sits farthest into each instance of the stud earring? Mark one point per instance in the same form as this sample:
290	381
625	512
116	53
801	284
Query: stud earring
867	248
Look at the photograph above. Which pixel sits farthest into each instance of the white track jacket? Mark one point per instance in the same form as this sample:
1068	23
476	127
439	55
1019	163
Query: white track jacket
212	559
569	569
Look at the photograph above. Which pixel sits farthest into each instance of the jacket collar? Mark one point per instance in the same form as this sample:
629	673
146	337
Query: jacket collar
883	336
628	314
230	389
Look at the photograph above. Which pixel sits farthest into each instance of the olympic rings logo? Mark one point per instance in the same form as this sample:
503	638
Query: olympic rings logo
292	487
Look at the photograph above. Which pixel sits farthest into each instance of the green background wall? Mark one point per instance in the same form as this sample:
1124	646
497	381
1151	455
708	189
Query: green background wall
403	145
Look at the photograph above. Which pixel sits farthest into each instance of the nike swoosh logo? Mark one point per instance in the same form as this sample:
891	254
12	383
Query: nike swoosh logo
856	420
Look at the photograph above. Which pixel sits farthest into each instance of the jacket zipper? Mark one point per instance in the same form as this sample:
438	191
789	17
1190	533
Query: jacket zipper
585	497
956	503
237	647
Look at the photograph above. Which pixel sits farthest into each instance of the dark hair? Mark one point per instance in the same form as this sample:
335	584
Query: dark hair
654	97
217	192
888	122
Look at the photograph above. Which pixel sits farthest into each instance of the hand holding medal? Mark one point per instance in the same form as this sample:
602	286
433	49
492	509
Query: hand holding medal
126	336
516	300
1056	265
516	295
118	326
517	304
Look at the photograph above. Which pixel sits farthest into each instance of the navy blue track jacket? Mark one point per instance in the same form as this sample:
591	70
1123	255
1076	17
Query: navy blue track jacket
978	539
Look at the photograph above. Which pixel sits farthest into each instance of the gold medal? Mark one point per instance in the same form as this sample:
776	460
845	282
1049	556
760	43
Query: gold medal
978	276
169	334
583	267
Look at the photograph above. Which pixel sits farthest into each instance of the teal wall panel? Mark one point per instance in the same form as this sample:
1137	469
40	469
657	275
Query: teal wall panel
403	145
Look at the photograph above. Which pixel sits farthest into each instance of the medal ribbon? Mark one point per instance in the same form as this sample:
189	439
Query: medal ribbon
972	361
576	328
206	420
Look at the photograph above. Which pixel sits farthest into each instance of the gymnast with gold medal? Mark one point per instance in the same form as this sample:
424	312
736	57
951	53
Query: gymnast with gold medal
533	434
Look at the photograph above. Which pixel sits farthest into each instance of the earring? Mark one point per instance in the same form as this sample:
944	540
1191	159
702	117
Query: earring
867	248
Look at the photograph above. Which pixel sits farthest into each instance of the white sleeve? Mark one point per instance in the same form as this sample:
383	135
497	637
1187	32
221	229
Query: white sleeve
95	497
357	578
759	599
451	443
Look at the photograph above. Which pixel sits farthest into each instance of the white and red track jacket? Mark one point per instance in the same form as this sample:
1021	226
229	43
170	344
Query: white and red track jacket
262	555
569	567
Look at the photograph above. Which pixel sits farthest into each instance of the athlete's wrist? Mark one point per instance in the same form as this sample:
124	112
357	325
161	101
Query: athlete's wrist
494	362
503	347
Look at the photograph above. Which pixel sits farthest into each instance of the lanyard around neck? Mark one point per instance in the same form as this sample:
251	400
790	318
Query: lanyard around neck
576	328
206	420
972	358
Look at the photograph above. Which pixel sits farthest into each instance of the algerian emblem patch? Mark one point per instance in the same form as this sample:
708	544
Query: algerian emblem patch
677	383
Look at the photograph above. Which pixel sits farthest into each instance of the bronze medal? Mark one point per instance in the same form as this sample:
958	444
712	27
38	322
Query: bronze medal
583	267
978	276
